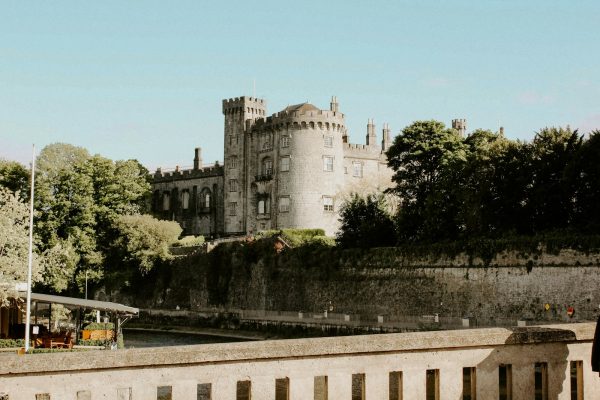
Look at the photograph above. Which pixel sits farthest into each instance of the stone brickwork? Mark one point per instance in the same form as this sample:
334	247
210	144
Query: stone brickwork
292	169
513	286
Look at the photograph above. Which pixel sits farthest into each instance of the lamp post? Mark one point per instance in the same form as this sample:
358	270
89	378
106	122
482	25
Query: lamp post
30	261
86	277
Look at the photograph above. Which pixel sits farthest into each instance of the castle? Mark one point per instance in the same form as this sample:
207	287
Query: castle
292	169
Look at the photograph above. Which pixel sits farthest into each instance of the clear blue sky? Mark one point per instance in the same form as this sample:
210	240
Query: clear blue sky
145	79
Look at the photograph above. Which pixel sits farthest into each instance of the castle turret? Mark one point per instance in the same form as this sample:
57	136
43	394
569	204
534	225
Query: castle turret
334	105
386	141
198	158
371	135
460	125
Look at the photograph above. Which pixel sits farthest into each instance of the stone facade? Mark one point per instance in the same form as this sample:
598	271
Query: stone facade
288	170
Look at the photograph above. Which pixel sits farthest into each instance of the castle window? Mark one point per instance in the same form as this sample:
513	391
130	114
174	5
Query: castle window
357	169
285	164
204	199
166	201
233	208
233	185
328	163
267	166
264	206
328	141
327	203
285	141
267	144
233	162
284	204
185	199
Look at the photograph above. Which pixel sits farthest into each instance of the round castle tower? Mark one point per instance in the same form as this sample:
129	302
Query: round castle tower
296	167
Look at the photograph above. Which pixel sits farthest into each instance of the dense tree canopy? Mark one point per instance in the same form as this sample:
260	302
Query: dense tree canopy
365	223
14	243
14	177
87	214
485	185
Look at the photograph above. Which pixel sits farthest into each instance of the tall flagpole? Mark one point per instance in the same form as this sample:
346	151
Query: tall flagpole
28	320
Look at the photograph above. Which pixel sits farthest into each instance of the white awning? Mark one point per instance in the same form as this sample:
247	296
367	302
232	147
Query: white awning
73	302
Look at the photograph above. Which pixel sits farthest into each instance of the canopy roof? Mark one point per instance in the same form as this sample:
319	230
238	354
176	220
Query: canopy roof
75	302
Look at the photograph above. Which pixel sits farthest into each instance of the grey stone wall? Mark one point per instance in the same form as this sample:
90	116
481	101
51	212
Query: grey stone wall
512	287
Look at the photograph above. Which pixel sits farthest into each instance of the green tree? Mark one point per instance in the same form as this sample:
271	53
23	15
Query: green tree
550	203
480	193
365	223
80	199
15	177
584	176
143	240
14	244
427	160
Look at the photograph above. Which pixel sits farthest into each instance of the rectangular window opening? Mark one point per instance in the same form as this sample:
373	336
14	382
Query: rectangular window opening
124	393
321	390
84	395
357	169
327	203
576	380
541	381
505	382
282	389
469	384
233	209
204	391
395	385
358	386
285	164
42	396
164	393
284	204
432	384
328	141
243	391
328	163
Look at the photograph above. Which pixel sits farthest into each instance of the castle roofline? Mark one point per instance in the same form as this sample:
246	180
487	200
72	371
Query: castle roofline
302	107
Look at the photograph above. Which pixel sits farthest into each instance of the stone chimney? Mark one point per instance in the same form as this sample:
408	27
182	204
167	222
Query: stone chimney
334	105
371	135
198	158
386	141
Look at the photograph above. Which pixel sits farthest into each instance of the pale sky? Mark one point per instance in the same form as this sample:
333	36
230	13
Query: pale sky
145	79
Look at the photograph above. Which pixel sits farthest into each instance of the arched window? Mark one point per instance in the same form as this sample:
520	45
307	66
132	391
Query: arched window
185	199
204	199
166	201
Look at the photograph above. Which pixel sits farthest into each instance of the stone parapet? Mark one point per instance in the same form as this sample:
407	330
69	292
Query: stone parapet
414	365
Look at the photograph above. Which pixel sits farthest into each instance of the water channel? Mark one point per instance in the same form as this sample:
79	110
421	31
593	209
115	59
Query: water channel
140	339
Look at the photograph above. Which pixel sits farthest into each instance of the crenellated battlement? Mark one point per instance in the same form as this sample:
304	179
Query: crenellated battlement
181	174
363	151
314	119
245	104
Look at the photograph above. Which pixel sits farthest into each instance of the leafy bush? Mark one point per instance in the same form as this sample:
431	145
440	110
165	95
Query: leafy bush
10	343
99	326
296	237
188	241
90	342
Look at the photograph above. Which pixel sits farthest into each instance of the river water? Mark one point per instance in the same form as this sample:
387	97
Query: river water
138	339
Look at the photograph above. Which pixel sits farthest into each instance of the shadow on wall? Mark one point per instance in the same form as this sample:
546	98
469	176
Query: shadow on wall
524	368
